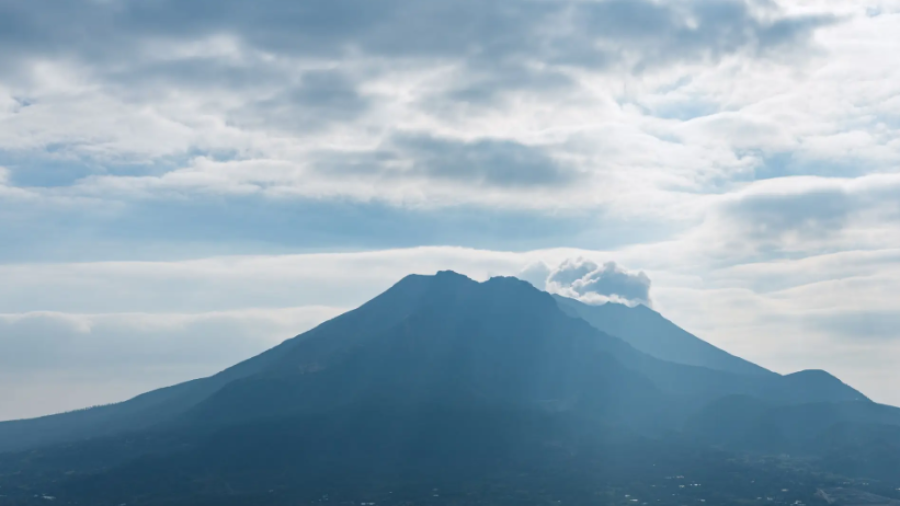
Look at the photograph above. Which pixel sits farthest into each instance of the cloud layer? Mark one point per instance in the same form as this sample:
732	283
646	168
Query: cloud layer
424	103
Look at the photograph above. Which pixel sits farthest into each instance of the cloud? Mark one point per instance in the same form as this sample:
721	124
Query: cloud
589	282
500	31
412	96
55	341
860	325
535	273
500	163
484	162
320	98
803	214
773	276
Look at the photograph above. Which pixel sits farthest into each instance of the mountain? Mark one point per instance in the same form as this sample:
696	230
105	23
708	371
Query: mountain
649	332
440	379
416	306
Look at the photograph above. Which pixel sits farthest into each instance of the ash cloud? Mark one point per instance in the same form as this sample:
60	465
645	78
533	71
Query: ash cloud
591	282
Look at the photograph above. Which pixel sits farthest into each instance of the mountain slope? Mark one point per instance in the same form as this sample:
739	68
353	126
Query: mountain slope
654	335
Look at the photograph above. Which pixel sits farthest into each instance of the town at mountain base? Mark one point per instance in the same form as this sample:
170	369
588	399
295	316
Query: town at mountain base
443	390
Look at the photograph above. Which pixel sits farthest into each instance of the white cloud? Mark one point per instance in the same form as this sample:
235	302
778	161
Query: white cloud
597	97
589	282
804	215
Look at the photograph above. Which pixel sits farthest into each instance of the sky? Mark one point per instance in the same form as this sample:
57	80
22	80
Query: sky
185	184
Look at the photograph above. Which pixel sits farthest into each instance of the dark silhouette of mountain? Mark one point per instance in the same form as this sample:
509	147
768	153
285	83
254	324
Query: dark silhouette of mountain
651	333
438	377
415	307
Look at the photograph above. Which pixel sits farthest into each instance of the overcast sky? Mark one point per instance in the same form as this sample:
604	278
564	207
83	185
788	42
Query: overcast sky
184	184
